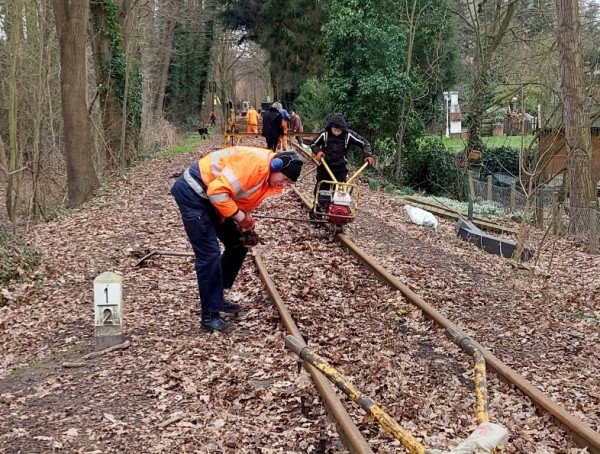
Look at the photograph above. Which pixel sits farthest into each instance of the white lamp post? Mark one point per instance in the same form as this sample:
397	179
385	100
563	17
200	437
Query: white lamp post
446	101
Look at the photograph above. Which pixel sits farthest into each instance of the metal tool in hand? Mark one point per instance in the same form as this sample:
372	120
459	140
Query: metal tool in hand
280	218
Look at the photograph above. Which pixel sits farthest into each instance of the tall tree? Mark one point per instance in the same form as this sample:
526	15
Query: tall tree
39	35
114	46
288	30
15	33
431	58
384	56
366	50
170	11
71	24
488	23
194	37
575	111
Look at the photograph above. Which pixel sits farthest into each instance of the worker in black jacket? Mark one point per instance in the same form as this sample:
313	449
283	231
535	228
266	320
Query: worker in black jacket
272	126
332	144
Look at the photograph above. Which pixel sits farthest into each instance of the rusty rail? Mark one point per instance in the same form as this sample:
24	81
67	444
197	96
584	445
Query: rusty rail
583	435
349	433
390	425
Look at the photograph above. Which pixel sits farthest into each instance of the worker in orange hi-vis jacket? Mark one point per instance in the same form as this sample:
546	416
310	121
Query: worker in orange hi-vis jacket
215	197
282	142
282	145
252	120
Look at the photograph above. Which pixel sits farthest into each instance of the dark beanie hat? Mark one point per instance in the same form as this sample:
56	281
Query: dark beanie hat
292	164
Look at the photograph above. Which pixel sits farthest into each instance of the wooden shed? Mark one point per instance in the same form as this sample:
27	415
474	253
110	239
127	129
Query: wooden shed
553	142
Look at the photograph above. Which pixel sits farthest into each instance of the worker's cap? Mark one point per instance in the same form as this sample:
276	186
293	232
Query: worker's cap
292	164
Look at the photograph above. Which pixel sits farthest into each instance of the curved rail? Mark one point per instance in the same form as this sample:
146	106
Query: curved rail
582	434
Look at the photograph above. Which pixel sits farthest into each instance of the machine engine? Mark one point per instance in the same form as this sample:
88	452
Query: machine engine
336	206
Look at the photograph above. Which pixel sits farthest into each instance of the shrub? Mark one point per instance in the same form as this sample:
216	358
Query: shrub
312	104
430	167
159	136
385	152
500	160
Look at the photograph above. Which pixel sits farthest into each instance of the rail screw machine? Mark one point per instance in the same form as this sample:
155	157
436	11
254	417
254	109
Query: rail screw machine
337	201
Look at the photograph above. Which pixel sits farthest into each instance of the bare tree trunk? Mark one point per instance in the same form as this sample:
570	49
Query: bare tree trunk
37	26
71	25
12	188
3	165
407	101
165	58
475	116
488	36
113	29
575	114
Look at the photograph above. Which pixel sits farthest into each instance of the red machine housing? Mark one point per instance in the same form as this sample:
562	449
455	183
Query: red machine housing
338	214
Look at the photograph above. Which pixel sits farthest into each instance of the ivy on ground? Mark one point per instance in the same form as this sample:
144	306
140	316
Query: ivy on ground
16	259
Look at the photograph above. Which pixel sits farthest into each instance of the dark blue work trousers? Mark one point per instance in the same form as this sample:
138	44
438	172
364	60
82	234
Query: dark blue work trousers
214	271
340	174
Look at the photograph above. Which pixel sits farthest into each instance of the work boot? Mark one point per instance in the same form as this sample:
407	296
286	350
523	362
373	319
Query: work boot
230	307
214	323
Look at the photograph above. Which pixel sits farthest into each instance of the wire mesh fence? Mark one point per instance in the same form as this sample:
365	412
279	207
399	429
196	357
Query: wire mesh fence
583	223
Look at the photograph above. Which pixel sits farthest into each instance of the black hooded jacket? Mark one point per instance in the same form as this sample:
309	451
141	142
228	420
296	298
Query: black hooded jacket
271	123
335	148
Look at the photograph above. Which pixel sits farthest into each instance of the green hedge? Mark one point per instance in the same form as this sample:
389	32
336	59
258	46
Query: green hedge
500	160
430	167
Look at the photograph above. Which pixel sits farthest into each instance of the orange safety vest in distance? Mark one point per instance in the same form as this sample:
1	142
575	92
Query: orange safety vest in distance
237	178
252	117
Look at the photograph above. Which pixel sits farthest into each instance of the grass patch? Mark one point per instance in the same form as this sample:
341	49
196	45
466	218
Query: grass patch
75	348
37	362
457	144
187	145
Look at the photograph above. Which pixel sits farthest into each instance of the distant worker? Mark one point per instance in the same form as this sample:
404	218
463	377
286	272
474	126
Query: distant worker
296	124
252	120
272	127
282	143
284	113
332	144
212	117
215	196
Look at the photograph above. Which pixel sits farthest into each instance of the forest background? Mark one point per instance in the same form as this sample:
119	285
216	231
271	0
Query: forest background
91	87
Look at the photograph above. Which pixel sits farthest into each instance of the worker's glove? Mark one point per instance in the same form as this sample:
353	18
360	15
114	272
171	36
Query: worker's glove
244	221
319	155
370	160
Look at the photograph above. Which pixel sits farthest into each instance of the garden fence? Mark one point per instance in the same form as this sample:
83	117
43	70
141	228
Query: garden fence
583	222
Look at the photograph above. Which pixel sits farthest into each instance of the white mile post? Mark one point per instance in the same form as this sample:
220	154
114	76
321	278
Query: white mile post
108	298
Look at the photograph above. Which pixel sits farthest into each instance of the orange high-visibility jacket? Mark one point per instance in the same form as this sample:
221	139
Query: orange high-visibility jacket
252	117
237	178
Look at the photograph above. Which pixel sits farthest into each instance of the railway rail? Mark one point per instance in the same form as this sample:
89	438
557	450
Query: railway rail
577	430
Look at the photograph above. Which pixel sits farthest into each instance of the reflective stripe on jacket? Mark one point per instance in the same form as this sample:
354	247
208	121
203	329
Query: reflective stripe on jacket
237	178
